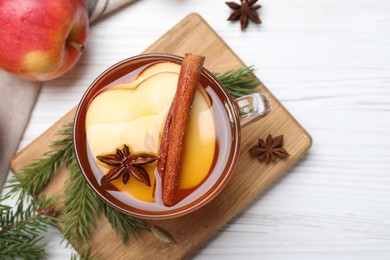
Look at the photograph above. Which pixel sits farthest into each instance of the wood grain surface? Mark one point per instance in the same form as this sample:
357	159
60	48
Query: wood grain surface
192	34
327	61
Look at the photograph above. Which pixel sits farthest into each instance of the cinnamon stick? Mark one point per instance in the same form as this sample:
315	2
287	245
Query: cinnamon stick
164	144
171	148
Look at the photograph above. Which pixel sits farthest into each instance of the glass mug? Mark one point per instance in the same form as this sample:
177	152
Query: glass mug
229	116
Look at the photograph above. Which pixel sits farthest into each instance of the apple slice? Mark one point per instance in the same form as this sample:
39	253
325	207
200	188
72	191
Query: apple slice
157	68
152	95
199	145
148	72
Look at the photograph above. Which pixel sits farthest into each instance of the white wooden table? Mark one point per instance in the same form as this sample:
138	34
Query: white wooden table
328	61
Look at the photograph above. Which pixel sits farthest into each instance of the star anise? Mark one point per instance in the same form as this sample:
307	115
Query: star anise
126	165
270	149
243	11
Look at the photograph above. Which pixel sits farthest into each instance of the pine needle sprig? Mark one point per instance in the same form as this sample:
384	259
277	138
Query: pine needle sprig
21	230
239	82
125	226
81	206
24	249
31	180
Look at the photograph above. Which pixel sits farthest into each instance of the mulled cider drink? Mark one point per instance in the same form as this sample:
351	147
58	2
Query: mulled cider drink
153	143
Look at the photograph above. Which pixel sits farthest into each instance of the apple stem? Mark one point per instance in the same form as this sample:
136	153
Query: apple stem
79	47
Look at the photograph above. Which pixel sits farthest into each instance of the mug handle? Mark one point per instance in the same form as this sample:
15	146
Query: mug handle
252	107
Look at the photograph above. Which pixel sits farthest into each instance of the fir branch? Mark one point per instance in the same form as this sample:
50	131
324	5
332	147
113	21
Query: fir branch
32	179
24	249
21	230
239	82
81	206
125	226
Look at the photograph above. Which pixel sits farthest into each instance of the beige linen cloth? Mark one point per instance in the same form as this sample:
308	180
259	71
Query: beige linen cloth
18	97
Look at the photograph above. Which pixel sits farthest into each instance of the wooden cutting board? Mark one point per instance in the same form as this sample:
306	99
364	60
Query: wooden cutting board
251	177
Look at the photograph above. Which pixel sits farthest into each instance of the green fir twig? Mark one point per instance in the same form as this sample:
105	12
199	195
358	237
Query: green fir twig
21	229
81	207
125	226
239	82
32	179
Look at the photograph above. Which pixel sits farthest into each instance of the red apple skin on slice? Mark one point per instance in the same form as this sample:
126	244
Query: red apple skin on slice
148	72
157	68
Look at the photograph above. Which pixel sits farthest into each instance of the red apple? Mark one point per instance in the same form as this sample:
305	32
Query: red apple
41	40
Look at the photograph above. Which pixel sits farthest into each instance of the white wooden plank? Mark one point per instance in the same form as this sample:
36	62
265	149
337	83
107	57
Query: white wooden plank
328	61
